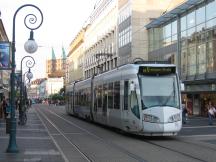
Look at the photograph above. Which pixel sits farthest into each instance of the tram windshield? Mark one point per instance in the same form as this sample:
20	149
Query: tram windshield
159	91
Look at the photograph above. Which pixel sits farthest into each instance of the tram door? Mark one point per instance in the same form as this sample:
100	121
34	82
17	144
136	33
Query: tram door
130	107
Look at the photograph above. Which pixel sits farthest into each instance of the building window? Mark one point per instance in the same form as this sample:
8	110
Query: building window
125	37
209	56
191	19
192	62
200	15
184	61
201	52
210	10
183	23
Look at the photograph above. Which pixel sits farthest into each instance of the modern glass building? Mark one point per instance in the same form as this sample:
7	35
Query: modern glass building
186	36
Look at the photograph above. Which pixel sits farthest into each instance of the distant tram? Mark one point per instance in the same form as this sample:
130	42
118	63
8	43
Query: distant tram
139	98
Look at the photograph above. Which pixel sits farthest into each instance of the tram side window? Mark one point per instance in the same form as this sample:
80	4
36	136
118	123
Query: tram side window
71	99
110	95
117	95
105	89
95	98
88	96
75	98
78	98
84	97
126	89
99	98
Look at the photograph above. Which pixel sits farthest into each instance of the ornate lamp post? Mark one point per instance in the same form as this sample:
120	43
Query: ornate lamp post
29	63
30	23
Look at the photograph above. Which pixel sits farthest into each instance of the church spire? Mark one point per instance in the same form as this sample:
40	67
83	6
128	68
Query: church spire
53	55
63	53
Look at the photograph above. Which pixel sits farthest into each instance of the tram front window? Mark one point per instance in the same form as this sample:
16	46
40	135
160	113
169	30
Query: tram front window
159	91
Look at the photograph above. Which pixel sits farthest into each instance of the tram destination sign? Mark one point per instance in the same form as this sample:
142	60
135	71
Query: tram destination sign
147	70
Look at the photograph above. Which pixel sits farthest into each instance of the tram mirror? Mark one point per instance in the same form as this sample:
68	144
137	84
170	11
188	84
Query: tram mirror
132	86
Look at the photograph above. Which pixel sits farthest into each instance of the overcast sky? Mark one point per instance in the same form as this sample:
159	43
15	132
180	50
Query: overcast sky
62	21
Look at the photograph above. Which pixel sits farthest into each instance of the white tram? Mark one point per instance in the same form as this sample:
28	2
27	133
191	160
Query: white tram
137	98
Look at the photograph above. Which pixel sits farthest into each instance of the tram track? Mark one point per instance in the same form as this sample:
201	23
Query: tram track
86	157
210	150
173	150
183	153
109	143
203	146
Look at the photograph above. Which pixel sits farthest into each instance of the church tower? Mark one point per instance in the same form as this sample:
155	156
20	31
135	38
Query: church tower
55	67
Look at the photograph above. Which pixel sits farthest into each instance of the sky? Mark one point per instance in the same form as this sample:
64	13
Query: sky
62	20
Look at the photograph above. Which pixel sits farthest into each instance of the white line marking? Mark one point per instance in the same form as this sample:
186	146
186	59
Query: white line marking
197	127
207	135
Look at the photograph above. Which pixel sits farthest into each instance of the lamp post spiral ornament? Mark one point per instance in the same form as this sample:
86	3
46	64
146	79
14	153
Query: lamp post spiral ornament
29	64
32	23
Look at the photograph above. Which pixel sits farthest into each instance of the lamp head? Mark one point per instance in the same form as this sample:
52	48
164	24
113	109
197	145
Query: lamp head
29	75
30	45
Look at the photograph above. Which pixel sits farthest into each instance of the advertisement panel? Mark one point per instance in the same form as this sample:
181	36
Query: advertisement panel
4	55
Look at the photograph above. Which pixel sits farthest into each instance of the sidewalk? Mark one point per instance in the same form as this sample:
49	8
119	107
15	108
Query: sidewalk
33	142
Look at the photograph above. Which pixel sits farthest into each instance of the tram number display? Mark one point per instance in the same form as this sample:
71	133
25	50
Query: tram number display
147	70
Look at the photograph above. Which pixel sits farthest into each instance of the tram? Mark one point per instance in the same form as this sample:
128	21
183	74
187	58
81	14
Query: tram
138	98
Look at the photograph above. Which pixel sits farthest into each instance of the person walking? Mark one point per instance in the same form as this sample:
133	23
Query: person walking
1	110
184	113
4	106
211	113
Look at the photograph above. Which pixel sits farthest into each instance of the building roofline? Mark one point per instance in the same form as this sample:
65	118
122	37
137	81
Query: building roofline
3	30
179	10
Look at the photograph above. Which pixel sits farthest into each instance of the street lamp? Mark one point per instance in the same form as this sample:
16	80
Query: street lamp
30	45
29	63
30	23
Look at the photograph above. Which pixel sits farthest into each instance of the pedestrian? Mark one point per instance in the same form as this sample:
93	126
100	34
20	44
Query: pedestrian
17	103
4	107
211	112
184	113
1	110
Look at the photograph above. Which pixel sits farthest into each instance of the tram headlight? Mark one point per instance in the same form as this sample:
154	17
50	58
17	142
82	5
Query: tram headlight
150	118
174	118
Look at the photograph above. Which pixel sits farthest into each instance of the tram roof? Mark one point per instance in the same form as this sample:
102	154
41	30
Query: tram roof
130	66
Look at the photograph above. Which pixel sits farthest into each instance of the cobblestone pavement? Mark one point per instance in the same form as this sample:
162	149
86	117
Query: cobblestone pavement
33	141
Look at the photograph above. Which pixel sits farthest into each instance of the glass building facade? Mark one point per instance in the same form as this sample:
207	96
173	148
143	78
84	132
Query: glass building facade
192	36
